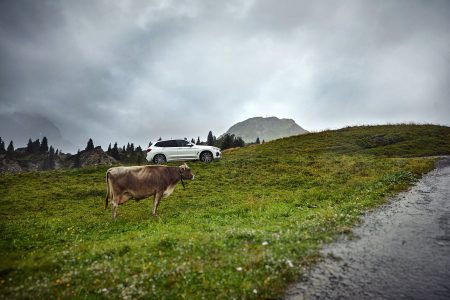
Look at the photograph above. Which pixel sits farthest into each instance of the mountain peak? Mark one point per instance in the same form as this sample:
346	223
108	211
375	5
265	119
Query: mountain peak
269	128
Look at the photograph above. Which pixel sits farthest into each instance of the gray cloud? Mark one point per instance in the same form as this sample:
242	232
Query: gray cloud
137	70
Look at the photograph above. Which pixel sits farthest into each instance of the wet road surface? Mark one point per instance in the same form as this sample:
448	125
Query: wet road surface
402	250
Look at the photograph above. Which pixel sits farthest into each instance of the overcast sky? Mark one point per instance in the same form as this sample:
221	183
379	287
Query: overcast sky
136	70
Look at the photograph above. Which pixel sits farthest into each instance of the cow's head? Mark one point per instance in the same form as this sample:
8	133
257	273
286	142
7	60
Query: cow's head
185	172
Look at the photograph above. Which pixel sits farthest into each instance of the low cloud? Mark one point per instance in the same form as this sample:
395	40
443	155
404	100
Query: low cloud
136	70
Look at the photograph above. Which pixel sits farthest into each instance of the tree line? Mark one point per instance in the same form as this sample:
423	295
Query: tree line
226	141
37	149
126	154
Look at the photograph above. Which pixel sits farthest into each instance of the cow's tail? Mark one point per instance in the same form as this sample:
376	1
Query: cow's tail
107	189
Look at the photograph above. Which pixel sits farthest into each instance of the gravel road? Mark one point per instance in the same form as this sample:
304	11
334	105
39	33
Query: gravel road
401	250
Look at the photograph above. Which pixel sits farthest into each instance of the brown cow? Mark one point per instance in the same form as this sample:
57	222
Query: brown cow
124	183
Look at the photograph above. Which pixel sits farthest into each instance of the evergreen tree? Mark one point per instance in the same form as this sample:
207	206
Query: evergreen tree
140	155
227	141
49	162
123	149
10	148
109	149
210	139
36	146
44	145
115	151
90	145
57	152
238	142
77	160
262	142
2	146
192	141
30	146
128	148
257	141
132	148
198	141
160	139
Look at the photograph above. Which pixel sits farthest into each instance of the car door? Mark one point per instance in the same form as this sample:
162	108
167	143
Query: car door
185	150
170	150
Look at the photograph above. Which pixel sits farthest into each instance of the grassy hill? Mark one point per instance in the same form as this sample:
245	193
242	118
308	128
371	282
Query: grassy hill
242	229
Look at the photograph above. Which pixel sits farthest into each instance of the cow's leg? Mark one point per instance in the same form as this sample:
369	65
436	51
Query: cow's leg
115	203
114	209
158	197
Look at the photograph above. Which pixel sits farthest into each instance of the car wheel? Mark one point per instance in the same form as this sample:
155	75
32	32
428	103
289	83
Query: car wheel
159	159
206	157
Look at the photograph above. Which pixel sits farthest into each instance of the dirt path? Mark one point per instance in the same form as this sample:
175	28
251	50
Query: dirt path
402	250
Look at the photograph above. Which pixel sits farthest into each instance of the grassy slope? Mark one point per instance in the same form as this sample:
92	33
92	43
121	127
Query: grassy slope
242	229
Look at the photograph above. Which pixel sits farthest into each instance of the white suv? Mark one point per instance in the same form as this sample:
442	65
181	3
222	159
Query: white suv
171	150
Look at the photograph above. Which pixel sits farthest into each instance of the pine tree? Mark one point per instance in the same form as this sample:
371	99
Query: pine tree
128	147
115	151
140	155
49	163
132	148
109	149
227	141
262	142
238	142
257	141
210	139
90	145
10	148
192	141
198	141
2	146
30	146
36	146
44	145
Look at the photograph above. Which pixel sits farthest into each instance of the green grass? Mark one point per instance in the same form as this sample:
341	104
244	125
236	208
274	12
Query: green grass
242	229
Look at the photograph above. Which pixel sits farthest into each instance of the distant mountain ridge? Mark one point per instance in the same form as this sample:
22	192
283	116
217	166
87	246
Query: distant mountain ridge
20	127
267	129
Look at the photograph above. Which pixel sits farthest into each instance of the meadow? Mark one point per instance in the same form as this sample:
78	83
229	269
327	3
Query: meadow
243	229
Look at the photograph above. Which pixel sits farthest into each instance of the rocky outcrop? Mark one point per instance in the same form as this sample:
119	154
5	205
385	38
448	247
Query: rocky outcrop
93	157
20	162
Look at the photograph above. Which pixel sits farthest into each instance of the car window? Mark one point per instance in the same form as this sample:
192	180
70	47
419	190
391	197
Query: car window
182	143
172	143
158	144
